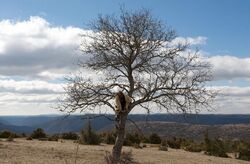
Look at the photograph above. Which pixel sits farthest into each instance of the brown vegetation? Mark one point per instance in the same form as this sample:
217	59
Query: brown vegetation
50	152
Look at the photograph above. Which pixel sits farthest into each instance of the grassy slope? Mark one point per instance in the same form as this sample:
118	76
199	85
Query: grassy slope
25	152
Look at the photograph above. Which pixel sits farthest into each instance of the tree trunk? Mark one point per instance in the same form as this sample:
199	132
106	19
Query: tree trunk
120	132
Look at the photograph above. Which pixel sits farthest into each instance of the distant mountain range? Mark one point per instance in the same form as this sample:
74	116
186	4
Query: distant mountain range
168	125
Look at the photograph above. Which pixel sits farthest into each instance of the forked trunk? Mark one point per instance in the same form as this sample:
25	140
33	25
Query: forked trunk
120	132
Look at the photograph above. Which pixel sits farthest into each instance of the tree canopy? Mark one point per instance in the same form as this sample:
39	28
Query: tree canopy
137	54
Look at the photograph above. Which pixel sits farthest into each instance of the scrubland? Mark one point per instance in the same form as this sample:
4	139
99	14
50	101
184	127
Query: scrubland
21	151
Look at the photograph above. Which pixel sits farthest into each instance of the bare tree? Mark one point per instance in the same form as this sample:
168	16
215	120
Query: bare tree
136	53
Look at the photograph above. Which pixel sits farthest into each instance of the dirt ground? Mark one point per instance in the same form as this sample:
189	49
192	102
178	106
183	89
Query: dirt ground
22	151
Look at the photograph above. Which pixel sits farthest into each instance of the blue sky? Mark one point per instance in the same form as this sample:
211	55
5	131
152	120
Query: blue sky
224	22
38	39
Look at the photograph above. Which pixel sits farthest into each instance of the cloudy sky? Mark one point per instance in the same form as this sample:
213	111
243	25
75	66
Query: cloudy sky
39	46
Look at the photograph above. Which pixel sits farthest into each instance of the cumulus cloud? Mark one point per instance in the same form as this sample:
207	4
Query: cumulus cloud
234	91
16	108
224	67
9	98
33	53
190	40
232	99
230	67
32	47
32	87
28	97
35	48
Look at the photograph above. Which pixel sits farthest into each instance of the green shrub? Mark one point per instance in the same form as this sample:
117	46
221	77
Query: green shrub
194	147
89	137
108	137
23	135
164	145
38	133
127	142
70	136
154	139
244	151
43	139
214	147
54	137
174	143
29	138
163	148
5	134
190	145
145	139
133	139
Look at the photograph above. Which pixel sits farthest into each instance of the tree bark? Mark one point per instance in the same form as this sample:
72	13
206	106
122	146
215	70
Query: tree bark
120	132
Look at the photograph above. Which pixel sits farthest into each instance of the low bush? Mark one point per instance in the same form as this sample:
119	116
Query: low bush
164	145
43	139
215	147
54	137
89	137
108	137
133	139
23	135
7	134
38	133
145	139
69	136
29	138
154	139
194	147
244	151
127	142
174	143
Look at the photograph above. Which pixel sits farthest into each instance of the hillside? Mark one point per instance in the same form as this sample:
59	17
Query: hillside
16	129
29	152
196	132
190	126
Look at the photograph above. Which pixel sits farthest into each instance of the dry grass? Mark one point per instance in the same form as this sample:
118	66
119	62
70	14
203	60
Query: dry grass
22	151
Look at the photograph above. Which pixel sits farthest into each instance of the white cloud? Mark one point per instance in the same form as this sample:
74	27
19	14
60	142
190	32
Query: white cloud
230	67
28	97
37	52
35	86
17	98
232	100
234	91
36	33
190	40
15	108
32	47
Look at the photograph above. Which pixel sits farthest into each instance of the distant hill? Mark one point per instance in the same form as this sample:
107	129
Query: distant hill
51	124
16	129
192	126
203	119
193	131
